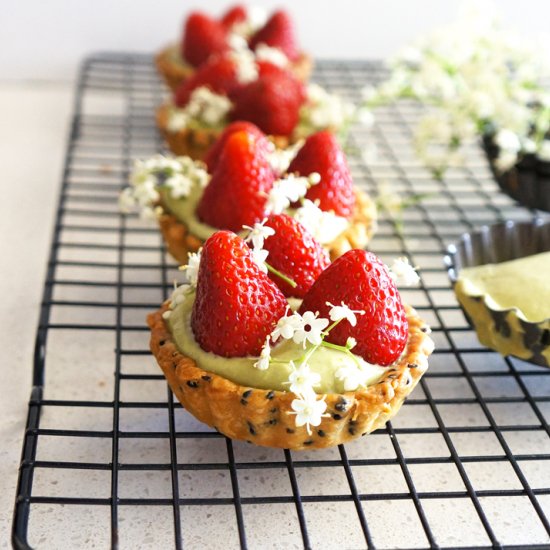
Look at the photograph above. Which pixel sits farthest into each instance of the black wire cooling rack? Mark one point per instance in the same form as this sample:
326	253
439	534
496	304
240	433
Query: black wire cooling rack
110	460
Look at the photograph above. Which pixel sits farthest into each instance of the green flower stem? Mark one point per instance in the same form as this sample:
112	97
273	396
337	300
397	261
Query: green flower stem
286	279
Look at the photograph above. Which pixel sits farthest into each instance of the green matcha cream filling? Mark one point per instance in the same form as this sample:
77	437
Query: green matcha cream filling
324	361
521	284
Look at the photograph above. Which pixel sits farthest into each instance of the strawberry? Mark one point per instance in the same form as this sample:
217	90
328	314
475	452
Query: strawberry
215	151
219	74
362	282
322	154
202	37
236	305
272	103
236	194
294	252
233	16
278	32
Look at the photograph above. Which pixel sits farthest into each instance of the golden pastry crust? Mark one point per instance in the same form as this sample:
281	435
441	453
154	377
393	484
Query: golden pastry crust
174	72
264	416
195	142
180	241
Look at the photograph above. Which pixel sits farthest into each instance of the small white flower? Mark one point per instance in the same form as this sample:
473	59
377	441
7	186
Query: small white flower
192	267
351	376
167	314
324	226
179	185
285	191
309	410
337	313
275	56
258	233
403	273
126	200
506	160
351	342
286	326
259	256
177	120
265	356
245	64
280	159
302	380
508	140
310	329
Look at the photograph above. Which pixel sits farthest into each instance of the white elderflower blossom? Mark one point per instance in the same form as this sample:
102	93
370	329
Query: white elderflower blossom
245	64
324	226
275	56
337	313
289	189
403	273
265	356
325	110
302	380
204	106
259	256
352	377
192	267
280	159
287	325
258	233
310	330
309	410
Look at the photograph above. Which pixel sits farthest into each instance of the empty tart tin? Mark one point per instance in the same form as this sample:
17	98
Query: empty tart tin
527	182
506	330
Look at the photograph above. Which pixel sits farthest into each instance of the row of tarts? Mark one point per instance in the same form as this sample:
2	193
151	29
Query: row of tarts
286	332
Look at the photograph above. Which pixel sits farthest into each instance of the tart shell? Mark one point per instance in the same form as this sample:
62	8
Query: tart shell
180	241
264	417
195	142
174	73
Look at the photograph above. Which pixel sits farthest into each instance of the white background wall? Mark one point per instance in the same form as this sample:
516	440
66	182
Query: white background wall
45	39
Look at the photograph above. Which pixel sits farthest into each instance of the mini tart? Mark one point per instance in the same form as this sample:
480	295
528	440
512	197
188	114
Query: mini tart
195	142
174	70
504	330
180	241
263	417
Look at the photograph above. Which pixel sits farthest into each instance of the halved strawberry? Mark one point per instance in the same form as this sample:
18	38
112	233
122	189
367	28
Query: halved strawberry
234	15
322	154
215	151
202	37
278	32
272	103
219	74
362	282
236	305
236	194
294	252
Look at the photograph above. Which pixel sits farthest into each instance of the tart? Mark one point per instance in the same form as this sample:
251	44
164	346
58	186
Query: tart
204	36
221	373
500	278
238	186
235	86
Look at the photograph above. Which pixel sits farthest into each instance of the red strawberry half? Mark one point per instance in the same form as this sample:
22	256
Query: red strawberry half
236	194
234	15
219	74
215	151
322	154
236	305
278	32
294	252
362	282
202	37
272	103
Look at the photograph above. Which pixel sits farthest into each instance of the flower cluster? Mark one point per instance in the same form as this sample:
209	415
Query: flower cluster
257	235
479	79
177	176
289	189
204	106
325	110
324	225
309	331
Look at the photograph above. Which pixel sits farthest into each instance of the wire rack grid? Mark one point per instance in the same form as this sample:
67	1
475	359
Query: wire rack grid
110	460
